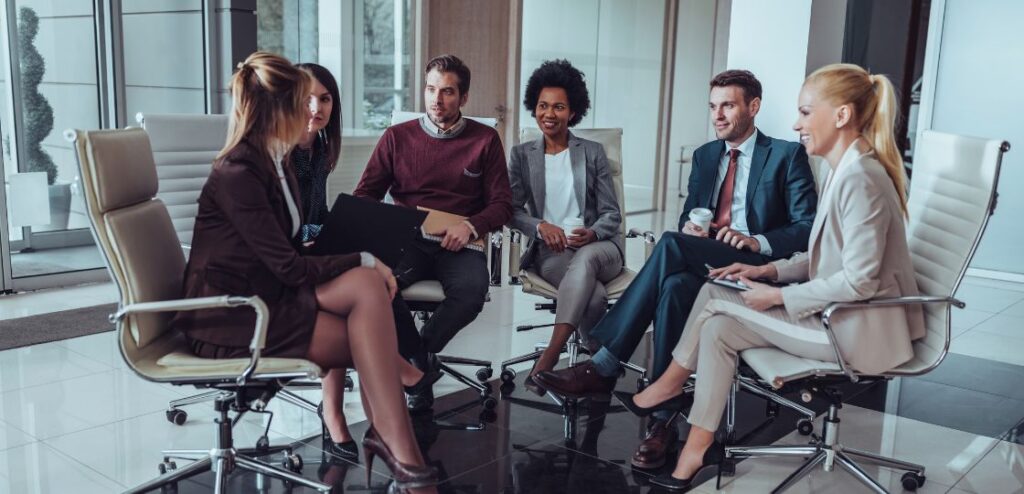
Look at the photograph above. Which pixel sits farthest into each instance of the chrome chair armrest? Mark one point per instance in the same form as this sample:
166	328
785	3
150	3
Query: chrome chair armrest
494	248
259	335
515	254
647	236
826	318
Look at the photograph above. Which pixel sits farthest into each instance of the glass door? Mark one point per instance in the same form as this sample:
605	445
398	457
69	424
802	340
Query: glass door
50	83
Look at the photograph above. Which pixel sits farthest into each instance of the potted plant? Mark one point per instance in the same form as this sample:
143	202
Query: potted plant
38	119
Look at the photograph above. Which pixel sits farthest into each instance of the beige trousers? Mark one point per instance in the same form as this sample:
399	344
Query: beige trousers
725	326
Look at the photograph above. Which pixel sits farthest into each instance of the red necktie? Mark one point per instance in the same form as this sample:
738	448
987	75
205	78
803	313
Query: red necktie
723	213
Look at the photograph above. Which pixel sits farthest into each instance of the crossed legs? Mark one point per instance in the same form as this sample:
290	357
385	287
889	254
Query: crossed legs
355	327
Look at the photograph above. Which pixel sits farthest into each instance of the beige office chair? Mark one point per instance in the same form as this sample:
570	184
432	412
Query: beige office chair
952	195
184	148
423	297
136	235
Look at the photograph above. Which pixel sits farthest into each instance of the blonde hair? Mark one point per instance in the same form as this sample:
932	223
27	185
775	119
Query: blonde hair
875	108
269	96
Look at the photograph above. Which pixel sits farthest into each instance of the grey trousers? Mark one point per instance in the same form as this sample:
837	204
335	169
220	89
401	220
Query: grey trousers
580	276
725	326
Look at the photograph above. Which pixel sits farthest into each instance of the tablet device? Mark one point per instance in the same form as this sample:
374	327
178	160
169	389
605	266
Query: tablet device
356	224
734	284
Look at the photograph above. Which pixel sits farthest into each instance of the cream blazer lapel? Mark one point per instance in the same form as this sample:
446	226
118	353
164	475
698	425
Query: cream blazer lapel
826	203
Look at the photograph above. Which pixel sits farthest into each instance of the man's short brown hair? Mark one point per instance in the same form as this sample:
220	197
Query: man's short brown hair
451	63
744	79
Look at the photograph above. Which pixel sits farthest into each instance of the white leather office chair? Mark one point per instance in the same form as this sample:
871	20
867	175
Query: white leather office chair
952	195
424	296
184	148
135	233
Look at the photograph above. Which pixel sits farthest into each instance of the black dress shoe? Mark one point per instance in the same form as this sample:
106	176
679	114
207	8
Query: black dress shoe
421	401
673	404
712	457
347	450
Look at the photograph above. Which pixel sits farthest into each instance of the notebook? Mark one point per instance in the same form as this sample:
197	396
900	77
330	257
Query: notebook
438	221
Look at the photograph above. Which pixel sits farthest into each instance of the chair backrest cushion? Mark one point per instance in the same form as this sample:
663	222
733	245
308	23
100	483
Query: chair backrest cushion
952	194
131	226
611	140
184	147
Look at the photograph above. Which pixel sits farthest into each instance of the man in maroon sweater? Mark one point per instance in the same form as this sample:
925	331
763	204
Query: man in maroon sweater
446	162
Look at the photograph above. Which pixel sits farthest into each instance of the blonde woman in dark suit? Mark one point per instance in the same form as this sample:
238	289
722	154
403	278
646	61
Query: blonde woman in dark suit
857	251
332	310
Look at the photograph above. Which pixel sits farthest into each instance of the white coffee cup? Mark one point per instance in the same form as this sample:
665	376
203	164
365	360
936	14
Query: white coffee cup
570	224
701	217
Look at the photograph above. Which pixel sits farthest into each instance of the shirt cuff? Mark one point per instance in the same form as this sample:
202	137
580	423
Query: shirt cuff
472	229
367	260
766	248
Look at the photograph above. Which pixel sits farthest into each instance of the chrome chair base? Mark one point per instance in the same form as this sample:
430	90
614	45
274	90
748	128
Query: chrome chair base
827	452
223	459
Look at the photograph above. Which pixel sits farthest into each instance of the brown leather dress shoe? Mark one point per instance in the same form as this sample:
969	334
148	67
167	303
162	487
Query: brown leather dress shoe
651	453
579	381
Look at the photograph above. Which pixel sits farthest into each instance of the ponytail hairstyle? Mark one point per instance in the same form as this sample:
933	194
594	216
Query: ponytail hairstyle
874	108
331	133
269	96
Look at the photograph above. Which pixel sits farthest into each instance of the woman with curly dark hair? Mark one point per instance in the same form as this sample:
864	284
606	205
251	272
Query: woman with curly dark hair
563	197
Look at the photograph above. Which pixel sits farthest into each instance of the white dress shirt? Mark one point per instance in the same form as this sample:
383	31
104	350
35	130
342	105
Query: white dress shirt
559	189
739	191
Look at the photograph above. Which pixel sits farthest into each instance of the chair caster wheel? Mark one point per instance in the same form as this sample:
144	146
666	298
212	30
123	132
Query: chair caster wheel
176	416
507	375
641	383
484	374
166	466
911	481
489	403
292	463
805	427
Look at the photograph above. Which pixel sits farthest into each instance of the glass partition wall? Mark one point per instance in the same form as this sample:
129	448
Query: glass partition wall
618	45
50	83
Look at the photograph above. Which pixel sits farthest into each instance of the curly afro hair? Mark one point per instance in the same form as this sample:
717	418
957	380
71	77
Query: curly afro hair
559	73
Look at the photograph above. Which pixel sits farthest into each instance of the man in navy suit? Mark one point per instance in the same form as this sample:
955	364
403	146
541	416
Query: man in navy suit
763	198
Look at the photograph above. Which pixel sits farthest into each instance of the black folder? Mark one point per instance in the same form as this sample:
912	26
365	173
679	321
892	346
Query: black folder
356	224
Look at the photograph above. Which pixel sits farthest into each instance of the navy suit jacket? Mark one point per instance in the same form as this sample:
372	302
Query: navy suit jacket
781	194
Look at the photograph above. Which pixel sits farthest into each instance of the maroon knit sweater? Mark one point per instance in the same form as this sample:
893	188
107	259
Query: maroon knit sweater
466	175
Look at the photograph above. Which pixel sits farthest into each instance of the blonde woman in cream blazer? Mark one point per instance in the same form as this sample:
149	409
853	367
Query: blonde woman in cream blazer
857	250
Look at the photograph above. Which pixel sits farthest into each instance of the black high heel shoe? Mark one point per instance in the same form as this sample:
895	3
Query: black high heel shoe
405	476
673	404
346	450
713	457
427	381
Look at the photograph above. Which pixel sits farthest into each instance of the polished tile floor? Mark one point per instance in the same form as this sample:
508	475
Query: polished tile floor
73	418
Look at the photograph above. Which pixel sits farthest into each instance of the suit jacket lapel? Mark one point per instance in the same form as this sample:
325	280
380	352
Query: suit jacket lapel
579	172
762	149
536	163
709	174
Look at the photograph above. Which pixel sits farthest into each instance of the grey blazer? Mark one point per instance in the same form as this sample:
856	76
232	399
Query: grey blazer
592	179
